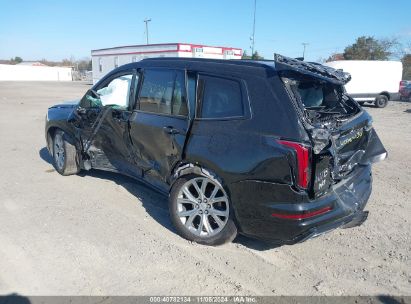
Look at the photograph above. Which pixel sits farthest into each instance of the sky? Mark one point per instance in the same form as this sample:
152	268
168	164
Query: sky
60	29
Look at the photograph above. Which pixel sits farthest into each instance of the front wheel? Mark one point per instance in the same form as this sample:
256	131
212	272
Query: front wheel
65	157
200	210
381	101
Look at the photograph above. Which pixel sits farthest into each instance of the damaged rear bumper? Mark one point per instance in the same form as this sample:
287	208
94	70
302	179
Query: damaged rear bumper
344	205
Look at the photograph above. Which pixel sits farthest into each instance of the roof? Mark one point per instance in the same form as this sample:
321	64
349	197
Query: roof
219	66
282	64
254	63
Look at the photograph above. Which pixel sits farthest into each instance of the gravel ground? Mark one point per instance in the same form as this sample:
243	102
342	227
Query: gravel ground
100	233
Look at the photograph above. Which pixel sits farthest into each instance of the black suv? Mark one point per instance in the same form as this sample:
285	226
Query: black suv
271	149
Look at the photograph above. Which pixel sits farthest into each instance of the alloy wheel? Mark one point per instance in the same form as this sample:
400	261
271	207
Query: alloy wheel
203	207
59	151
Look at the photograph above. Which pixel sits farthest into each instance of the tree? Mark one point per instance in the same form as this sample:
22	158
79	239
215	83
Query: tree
406	67
245	56
15	60
67	62
369	48
256	56
84	64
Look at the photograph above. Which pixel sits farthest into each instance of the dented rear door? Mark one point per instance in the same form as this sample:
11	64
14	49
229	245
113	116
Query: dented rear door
159	125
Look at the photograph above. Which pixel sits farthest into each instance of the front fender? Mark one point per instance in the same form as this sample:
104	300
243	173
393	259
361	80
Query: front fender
58	118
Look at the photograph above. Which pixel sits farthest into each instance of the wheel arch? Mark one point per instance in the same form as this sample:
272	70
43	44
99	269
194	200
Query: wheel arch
51	130
386	94
186	168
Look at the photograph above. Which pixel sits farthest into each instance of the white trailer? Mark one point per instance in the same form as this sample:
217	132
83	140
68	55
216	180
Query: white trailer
371	80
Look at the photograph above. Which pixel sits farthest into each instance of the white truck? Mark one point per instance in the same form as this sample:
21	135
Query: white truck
371	80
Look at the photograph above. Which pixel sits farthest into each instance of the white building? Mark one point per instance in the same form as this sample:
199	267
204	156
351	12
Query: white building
105	60
30	72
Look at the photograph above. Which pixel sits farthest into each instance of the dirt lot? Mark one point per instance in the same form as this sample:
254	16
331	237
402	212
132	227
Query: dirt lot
104	234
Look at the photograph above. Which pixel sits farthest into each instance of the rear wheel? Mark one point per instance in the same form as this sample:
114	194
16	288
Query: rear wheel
200	210
65	155
381	101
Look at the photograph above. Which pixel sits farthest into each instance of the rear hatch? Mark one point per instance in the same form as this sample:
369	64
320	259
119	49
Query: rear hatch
341	132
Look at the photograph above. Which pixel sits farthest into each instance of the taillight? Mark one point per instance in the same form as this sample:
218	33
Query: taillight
303	161
402	84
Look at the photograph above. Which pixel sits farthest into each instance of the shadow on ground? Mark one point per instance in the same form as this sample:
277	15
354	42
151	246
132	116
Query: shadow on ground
14	298
155	203
45	155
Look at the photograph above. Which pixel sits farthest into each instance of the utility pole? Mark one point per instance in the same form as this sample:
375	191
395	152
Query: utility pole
304	45
147	21
253	36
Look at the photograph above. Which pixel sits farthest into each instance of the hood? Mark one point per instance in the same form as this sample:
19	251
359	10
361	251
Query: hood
66	104
311	69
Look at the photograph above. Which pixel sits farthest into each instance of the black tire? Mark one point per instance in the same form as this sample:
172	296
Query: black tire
381	101
65	156
225	235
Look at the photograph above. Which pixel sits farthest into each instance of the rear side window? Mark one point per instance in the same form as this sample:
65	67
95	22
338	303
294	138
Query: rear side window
163	92
222	98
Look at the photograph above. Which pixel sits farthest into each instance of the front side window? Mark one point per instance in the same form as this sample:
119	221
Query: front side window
114	93
222	98
163	92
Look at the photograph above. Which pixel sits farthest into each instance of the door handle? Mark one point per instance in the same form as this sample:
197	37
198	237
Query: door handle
170	130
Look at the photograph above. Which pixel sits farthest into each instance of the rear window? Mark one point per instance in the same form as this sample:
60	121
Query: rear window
222	98
320	99
314	94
